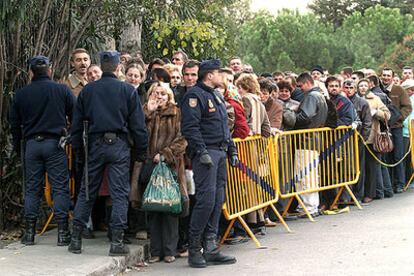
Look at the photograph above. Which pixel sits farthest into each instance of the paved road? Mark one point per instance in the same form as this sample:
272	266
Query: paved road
378	240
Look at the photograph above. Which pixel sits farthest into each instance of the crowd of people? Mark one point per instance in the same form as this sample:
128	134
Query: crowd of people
185	113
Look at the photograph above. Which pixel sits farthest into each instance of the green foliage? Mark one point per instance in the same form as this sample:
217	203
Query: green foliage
361	41
401	55
335	11
285	63
300	37
198	39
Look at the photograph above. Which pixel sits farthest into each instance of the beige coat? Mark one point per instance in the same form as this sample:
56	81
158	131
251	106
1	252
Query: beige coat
256	115
382	113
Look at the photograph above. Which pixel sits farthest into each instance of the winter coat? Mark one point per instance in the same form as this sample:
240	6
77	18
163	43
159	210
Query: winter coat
401	100
240	129
312	111
256	115
406	132
364	113
345	110
274	111
381	113
164	137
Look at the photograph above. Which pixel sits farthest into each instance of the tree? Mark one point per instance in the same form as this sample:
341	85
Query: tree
401	55
370	35
335	11
301	37
285	63
198	39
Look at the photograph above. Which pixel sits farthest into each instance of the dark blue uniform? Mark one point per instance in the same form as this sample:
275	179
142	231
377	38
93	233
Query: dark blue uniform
41	109
204	125
111	107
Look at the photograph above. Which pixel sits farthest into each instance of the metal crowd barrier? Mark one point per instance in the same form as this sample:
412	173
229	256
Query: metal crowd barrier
411	131
314	160
252	185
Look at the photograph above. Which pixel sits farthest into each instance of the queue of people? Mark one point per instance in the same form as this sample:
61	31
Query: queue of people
186	113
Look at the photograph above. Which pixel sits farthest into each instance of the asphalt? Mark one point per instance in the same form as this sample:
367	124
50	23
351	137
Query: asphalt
378	240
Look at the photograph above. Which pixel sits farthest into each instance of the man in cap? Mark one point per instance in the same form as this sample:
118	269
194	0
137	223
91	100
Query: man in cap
80	61
317	72
111	109
38	115
204	125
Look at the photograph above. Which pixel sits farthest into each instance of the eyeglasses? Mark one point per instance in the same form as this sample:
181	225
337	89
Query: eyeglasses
348	87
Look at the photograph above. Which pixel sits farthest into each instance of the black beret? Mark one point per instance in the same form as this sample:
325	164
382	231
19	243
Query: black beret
38	60
110	56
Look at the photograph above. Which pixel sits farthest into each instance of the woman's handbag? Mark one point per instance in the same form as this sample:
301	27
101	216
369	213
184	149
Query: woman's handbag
162	193
383	141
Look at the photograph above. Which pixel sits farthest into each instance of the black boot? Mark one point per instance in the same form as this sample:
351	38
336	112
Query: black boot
118	248
30	232
108	212
212	253
75	245
195	258
109	235
63	238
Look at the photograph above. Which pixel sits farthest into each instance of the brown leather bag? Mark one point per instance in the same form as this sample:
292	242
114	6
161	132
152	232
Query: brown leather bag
383	141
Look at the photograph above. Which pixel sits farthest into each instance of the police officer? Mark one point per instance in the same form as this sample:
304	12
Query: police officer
113	112
38	115
204	125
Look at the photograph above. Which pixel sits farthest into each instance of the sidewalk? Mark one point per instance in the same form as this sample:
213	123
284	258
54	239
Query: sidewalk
45	258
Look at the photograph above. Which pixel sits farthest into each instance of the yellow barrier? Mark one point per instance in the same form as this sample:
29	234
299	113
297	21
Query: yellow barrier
252	185
411	131
315	160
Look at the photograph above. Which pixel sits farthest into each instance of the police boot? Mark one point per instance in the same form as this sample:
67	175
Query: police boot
195	258
30	232
63	238
212	253
118	248
75	245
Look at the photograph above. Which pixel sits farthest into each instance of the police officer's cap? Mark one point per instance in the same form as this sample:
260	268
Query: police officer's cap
209	65
38	61
110	57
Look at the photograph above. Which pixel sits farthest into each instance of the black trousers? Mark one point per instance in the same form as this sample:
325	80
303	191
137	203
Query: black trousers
164	234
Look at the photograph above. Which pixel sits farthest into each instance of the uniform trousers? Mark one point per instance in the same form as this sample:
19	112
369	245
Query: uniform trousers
117	158
210	193
41	157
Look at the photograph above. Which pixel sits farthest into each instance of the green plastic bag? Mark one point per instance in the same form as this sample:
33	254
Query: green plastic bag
162	193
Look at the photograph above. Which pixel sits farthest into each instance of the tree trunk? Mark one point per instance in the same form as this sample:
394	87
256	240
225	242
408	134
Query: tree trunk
131	38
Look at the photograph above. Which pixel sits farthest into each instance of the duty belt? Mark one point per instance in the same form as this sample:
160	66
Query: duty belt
223	146
41	137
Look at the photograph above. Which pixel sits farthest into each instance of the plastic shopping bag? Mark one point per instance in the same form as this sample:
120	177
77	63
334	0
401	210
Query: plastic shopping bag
162	193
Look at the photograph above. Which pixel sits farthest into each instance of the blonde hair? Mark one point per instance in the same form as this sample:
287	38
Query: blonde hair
136	66
172	68
249	83
165	87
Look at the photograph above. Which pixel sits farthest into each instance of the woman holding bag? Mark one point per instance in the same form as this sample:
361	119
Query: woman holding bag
165	143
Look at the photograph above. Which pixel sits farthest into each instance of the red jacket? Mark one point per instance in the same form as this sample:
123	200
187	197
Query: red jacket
241	129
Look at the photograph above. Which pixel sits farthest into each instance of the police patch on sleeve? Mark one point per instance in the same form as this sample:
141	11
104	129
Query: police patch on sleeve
192	102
